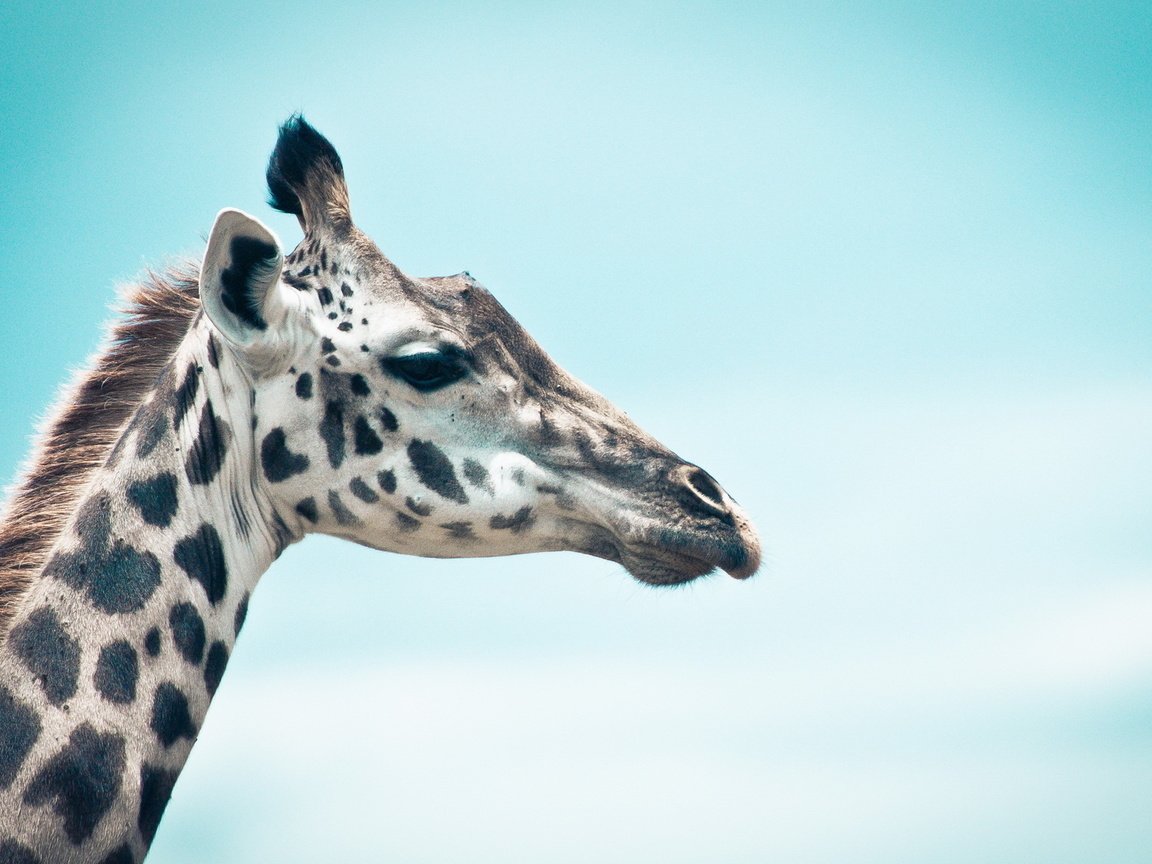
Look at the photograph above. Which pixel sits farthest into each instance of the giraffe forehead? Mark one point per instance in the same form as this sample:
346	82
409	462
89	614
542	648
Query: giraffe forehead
370	310
362	293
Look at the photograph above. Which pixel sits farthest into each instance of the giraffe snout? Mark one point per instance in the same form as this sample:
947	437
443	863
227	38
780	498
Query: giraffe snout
737	548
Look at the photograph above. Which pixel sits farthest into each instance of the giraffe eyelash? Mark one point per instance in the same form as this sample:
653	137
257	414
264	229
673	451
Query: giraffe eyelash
428	371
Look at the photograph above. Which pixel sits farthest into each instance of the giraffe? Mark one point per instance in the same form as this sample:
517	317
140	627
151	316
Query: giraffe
242	405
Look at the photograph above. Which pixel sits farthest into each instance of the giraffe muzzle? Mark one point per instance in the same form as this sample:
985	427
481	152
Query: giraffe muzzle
731	542
701	529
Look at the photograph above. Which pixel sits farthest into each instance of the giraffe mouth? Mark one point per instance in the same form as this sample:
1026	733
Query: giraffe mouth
675	558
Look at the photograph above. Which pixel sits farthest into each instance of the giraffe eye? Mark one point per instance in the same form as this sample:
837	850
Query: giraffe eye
429	370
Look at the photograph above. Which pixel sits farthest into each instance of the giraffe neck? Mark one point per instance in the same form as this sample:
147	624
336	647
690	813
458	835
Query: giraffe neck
110	663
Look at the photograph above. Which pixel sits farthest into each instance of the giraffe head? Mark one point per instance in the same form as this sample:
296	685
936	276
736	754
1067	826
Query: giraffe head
417	416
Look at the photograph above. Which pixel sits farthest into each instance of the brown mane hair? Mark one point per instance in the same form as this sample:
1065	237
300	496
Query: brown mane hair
86	421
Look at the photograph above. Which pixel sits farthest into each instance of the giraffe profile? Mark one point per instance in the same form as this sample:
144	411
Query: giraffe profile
240	406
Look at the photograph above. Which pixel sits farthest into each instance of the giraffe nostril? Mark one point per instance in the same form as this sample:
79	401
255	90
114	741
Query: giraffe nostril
703	493
704	485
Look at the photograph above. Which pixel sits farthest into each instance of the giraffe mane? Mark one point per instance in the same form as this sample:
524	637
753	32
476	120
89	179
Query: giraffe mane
87	419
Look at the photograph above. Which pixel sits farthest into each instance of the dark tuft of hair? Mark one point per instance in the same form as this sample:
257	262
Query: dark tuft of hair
298	150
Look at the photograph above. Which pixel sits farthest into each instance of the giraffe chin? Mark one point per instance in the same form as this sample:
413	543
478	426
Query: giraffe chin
666	574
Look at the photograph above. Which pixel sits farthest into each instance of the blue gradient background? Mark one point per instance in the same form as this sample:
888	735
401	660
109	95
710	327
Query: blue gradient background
883	269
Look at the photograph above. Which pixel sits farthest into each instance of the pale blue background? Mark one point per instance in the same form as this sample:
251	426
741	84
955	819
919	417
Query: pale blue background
883	269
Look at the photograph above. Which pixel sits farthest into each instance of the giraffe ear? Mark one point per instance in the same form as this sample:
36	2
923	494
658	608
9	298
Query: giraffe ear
240	279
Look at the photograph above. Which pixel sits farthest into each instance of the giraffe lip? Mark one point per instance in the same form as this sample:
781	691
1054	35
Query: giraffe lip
672	557
733	548
659	565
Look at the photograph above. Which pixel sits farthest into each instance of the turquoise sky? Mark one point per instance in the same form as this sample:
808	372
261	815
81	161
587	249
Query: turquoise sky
883	269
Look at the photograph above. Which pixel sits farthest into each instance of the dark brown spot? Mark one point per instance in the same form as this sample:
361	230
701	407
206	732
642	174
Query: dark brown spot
520	521
435	470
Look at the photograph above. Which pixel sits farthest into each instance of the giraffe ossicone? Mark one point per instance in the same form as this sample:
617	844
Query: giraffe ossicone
236	411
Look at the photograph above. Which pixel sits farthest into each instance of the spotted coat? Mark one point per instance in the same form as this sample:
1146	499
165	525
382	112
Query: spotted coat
322	391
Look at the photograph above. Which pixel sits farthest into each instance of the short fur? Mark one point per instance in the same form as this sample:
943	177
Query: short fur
87	421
